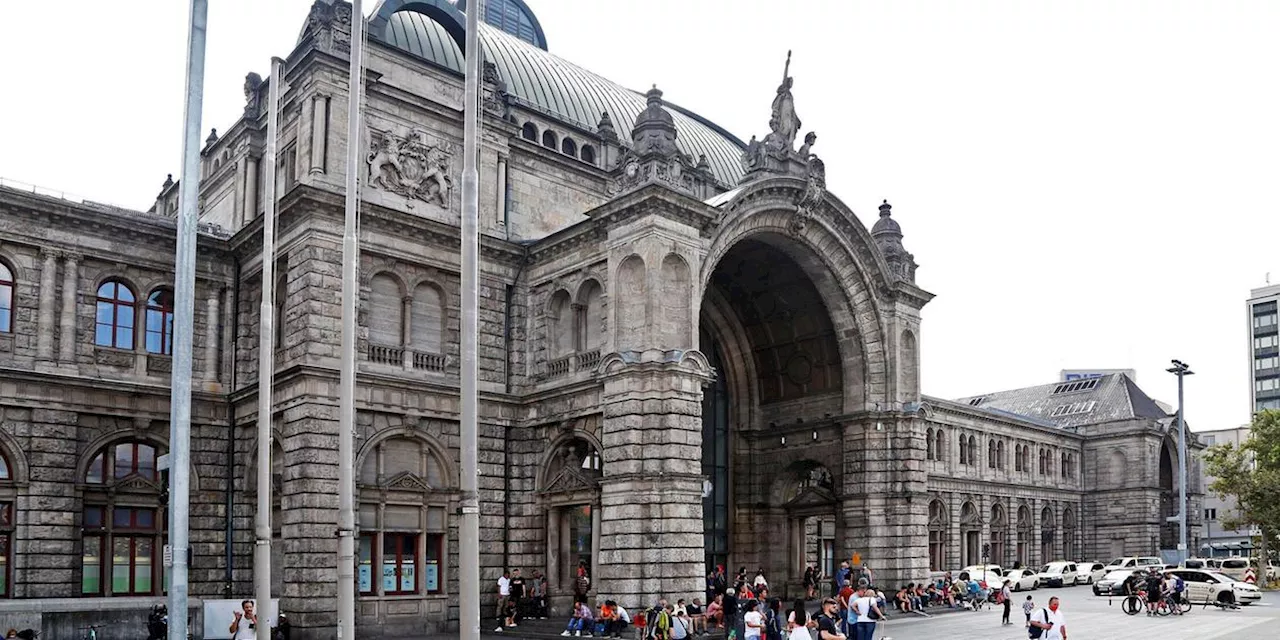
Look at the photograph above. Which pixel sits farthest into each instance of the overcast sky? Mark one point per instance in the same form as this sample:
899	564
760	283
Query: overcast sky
1084	184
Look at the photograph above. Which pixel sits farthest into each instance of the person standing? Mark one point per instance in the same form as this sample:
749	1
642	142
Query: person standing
1051	621
1005	597
245	624
867	609
828	626
504	592
518	592
867	575
808	582
752	621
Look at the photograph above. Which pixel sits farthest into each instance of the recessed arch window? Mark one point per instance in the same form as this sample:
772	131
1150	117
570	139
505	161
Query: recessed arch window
160	321
529	131
115	316
588	154
569	147
6	298
123	521
549	139
938	525
7	496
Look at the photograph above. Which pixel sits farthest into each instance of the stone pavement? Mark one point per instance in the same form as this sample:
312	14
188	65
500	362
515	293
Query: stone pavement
1093	618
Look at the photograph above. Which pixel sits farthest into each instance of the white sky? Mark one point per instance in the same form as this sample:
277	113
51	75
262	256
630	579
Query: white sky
1084	184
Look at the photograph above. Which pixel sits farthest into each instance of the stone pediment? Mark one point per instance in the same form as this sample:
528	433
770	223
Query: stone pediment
406	481
812	497
570	480
136	484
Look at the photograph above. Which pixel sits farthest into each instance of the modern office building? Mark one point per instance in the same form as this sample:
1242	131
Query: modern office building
1218	540
1264	348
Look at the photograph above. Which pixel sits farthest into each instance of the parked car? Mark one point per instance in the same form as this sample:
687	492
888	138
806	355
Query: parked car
1134	563
1112	583
1233	568
1020	579
992	574
1090	572
1208	586
1058	574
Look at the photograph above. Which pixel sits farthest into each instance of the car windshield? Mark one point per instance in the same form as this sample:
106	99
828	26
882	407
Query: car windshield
1118	576
1116	563
1219	577
1053	567
1234	564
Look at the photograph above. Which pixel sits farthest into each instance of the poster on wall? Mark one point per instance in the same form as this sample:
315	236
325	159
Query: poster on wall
433	576
365	577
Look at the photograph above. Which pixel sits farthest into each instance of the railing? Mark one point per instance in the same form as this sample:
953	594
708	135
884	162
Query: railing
381	354
429	361
559	367
588	360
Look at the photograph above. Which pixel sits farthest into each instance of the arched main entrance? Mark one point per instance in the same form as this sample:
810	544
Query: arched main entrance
769	444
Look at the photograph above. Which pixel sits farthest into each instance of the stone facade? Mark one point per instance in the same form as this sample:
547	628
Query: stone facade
608	281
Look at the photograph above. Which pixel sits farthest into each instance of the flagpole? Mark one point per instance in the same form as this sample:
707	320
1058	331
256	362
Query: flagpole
347	376
266	358
469	533
184	282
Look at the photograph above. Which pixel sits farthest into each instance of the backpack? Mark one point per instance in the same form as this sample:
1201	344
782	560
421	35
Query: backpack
1036	632
1178	584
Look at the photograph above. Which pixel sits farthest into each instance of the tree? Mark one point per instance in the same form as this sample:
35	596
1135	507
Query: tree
1250	473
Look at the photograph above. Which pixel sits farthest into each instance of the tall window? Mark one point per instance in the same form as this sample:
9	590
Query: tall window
160	322
999	533
123	522
6	298
114	325
928	440
1017	457
1000	454
964	449
1024	535
402	520
6	533
973	450
940	448
937	536
991	454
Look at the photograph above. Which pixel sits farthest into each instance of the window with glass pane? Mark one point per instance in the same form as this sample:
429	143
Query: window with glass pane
715	461
160	322
91	566
364	571
114	321
399	563
435	553
6	298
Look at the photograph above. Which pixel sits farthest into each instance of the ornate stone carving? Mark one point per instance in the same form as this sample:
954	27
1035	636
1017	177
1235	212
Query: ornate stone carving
784	124
605	127
776	154
495	97
814	191
252	101
654	156
888	237
329	23
410	167
406	481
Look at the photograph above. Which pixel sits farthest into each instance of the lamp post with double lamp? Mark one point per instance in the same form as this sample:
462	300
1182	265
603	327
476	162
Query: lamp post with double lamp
1182	370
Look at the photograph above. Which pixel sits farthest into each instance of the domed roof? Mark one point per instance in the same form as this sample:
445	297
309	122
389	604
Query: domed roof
540	81
886	224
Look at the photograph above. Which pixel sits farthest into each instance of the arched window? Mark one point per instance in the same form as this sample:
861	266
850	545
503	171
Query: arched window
6	298
529	131
970	535
123	521
591	320
1062	464
1017	457
385	311
991	454
549	139
569	147
1043	455
1068	533
428	319
940	449
281	294
999	534
937	536
1024	535
928	440
7	495
973	450
160	321
588	154
964	449
115	319
402	519
560	325
1000	454
1048	533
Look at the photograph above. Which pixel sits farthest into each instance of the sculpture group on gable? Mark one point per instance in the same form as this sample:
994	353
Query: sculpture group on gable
410	167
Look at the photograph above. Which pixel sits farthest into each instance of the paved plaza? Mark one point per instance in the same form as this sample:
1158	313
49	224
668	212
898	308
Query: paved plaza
1094	618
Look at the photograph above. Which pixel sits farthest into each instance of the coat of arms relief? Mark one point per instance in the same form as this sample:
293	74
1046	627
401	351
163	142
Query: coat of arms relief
411	167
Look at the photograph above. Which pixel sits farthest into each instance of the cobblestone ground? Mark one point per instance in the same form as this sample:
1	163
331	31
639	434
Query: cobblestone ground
1093	618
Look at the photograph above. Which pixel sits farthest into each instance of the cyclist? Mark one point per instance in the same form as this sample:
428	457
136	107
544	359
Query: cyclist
1154	588
1169	590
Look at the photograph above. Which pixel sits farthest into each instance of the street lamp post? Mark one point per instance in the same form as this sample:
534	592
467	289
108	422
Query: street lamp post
1182	370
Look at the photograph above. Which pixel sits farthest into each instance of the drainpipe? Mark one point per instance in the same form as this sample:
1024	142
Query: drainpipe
230	499
506	436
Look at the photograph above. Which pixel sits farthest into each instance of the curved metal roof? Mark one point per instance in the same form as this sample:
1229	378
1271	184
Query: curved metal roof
543	82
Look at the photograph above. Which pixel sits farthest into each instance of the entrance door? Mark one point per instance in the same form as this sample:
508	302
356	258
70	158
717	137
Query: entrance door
579	524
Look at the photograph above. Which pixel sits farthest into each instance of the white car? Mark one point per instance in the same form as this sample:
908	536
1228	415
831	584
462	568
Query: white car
992	574
1058	574
1112	583
1020	579
1204	586
1134	563
1090	572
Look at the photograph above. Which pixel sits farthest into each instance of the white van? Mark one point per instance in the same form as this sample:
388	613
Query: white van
1134	563
1233	568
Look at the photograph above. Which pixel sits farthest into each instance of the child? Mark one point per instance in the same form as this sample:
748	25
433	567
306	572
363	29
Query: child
1027	608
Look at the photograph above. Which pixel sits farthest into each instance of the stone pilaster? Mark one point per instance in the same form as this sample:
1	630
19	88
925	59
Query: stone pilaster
211	341
44	335
67	325
319	131
651	493
47	541
250	208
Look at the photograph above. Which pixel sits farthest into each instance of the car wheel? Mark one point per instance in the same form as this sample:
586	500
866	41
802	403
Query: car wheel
1226	597
1090	579
1096	592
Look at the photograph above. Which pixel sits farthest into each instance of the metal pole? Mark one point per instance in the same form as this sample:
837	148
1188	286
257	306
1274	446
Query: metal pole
347	381
266	359
184	284
1182	457
469	545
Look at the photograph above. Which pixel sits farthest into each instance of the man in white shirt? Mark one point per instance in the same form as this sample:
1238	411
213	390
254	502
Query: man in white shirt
245	625
753	621
504	592
1051	621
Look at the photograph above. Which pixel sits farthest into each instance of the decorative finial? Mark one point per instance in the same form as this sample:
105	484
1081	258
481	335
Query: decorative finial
703	163
654	95
605	127
213	137
168	181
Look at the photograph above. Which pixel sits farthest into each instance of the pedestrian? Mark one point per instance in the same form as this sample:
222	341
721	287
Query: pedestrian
538	594
752	621
1049	622
866	610
828	625
798	623
867	575
245	624
1027	607
504	593
581	619
582	581
1006	598
516	587
808	582
729	608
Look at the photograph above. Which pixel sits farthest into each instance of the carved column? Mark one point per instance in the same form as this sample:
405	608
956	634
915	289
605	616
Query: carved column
44	337
250	189
211	336
502	190
406	331
67	329
319	131
652	485
554	579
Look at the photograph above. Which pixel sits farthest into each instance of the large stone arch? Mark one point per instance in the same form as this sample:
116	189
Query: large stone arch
837	254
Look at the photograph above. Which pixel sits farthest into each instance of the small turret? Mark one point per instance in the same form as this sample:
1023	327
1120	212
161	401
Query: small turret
888	237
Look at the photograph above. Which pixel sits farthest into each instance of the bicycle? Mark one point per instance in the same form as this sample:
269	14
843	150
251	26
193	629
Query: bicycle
1134	603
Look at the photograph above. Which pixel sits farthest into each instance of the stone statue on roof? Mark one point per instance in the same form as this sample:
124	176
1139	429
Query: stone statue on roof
784	124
